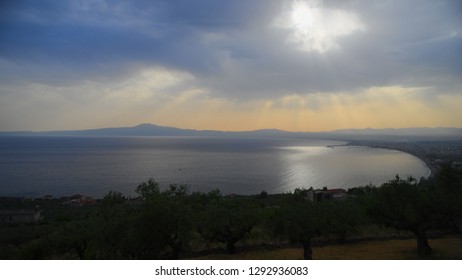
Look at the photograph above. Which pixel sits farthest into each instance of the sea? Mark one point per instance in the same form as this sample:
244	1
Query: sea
35	166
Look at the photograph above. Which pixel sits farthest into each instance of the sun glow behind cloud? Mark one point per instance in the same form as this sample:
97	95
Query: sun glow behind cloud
314	27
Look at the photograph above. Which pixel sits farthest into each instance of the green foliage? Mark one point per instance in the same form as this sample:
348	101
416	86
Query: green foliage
170	223
73	238
301	220
164	223
342	218
114	198
300	194
419	207
226	220
363	190
446	191
149	189
110	234
403	204
398	203
263	195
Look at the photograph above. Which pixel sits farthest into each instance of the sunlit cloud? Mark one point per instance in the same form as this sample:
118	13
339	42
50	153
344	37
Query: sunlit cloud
314	27
171	97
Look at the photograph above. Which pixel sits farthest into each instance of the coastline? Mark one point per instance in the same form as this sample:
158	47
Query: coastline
430	164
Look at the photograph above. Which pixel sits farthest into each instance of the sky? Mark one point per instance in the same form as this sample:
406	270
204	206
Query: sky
297	65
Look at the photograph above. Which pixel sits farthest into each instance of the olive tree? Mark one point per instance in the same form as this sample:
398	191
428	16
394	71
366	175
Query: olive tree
404	205
226	220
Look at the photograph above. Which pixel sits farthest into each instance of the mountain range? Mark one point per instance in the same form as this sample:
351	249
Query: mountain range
419	133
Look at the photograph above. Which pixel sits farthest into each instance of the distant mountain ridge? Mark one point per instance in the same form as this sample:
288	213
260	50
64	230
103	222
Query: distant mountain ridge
147	129
404	131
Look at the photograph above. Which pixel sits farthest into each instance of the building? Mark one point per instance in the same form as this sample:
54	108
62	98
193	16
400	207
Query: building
80	200
20	216
326	194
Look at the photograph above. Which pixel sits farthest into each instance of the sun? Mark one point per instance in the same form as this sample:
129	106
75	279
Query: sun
316	28
302	16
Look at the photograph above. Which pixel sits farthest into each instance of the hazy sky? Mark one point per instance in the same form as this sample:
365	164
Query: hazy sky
230	65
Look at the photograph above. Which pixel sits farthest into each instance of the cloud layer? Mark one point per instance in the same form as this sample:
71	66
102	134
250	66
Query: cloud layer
229	64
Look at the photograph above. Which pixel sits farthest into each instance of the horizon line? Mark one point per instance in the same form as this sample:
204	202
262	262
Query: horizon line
229	131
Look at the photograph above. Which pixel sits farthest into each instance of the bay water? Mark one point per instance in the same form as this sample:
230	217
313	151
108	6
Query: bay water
60	166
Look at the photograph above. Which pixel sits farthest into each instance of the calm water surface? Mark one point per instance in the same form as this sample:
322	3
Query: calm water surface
35	166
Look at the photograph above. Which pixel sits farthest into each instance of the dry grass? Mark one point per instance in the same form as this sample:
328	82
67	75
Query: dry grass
449	247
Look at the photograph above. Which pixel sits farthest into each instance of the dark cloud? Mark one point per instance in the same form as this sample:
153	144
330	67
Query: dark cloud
89	34
232	47
409	43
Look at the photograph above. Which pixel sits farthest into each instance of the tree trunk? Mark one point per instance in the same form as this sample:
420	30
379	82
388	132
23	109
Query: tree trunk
423	248
342	237
176	250
230	247
80	251
307	252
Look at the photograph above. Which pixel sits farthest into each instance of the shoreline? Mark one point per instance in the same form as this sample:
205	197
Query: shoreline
432	166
